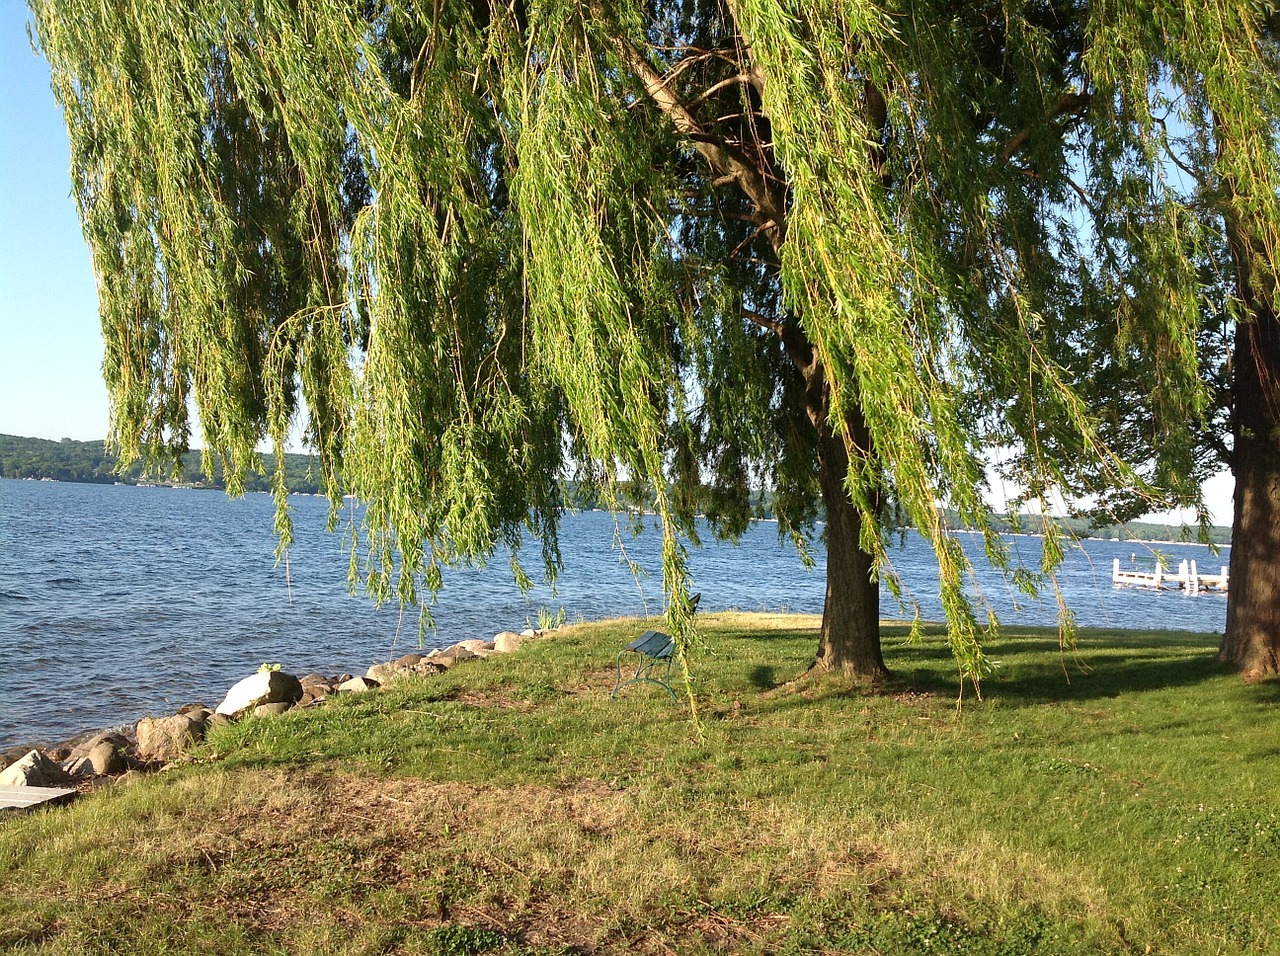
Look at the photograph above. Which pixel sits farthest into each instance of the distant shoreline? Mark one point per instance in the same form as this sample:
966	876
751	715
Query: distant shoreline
88	463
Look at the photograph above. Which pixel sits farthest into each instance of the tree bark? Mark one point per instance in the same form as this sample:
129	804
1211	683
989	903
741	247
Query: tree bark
850	636
1252	638
849	641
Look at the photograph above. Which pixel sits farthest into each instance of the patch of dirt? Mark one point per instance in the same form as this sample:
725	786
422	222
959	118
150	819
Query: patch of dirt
595	683
752	621
474	698
429	842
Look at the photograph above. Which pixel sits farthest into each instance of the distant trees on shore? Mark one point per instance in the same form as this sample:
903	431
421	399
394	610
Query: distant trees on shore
88	461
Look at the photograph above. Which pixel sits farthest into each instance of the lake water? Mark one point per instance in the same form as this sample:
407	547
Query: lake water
119	601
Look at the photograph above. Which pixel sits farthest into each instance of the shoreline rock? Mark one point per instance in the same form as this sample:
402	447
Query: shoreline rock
120	753
168	738
34	770
264	687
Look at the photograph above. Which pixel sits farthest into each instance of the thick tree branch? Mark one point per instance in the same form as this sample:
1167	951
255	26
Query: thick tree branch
1067	104
725	160
878	120
715	88
693	56
747	241
764	322
720	214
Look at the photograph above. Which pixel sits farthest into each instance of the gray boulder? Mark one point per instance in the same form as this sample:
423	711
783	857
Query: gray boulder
408	660
315	687
102	754
34	770
427	667
271	710
441	660
77	767
381	672
107	757
358	685
264	687
167	738
478	647
509	641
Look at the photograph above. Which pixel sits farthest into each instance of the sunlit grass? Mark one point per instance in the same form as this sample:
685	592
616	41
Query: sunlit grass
1122	798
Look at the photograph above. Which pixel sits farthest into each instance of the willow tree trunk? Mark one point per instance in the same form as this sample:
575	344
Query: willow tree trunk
850	637
1252	639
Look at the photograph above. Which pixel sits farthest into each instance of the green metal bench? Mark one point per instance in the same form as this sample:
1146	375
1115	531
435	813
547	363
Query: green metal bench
655	651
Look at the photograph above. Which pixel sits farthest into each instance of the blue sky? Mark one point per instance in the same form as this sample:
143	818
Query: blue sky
50	343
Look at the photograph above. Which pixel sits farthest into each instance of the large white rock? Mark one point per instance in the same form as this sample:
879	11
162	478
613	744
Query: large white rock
264	687
33	770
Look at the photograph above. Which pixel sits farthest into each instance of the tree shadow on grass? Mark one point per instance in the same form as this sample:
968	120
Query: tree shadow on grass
1035	669
770	636
1042	672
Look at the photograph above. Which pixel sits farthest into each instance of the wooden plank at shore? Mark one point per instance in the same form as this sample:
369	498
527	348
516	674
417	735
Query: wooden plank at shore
24	798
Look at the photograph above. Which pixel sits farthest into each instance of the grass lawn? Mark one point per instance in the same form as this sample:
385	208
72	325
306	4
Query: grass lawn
1126	800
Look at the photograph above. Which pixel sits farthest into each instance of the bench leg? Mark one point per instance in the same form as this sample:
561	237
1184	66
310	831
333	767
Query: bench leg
641	676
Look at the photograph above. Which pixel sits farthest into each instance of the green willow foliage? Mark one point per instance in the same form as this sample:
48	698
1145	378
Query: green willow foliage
484	246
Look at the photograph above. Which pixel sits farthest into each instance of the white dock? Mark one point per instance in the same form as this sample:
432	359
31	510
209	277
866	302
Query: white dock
1188	578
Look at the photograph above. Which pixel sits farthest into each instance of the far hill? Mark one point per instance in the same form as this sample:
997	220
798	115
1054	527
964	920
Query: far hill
88	461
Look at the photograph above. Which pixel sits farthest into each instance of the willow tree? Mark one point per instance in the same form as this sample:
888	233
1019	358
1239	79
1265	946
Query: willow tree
831	249
1234	80
1187	141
